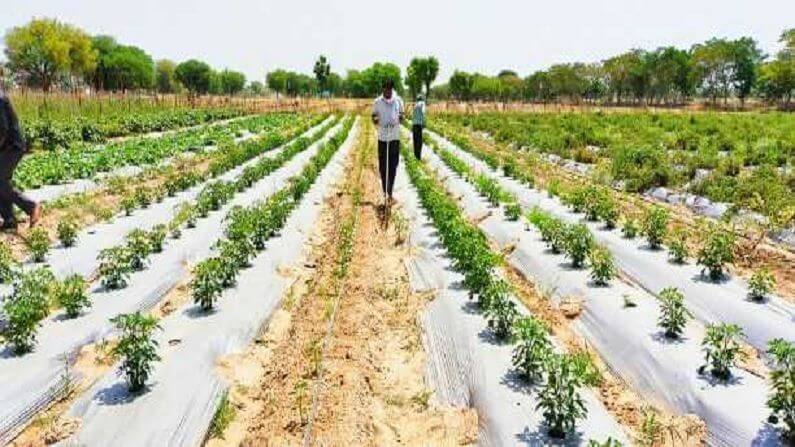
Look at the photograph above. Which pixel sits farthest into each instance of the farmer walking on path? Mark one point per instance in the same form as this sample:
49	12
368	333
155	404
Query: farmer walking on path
12	149
388	114
418	124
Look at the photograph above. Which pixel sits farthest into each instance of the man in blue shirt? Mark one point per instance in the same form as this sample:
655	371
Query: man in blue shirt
418	124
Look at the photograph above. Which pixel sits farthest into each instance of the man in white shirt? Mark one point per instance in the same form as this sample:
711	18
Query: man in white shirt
388	114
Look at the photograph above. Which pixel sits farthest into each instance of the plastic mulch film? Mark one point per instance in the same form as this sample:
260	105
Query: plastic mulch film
466	367
26	382
628	338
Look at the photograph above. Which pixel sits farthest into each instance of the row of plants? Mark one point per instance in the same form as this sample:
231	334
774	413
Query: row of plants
85	161
52	133
116	264
745	156
559	378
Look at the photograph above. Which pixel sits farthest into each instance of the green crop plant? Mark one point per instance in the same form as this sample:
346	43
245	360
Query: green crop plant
137	347
782	383
677	246
115	267
207	283
67	231
532	350
630	228
655	226
761	283
721	347
157	235
8	265
238	252
38	243
578	243
72	295
500	315
513	211
138	246
603	268
128	203
717	251
143	196
607	211
559	398
673	313
27	306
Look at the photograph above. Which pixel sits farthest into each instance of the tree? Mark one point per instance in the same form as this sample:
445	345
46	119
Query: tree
747	58
165	77
45	49
256	88
127	67
424	70
277	81
195	75
232	82
322	71
461	85
413	81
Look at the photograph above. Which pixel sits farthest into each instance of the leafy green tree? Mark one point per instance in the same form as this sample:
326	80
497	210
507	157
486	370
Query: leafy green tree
747	58
256	88
195	75
126	67
413	81
232	82
165	76
45	49
322	71
461	85
277	81
424	70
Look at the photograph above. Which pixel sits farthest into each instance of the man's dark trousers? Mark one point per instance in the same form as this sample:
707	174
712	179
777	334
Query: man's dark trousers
9	158
393	147
416	132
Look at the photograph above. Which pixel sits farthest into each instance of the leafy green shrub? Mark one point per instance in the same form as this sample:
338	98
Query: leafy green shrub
553	232
207	283
655	225
578	242
138	247
38	243
157	235
8	265
128	204
673	313
718	250
67	231
26	307
238	252
602	267
607	211
721	346
559	398
115	267
677	246
782	382
143	196
72	296
533	349
761	283
513	211
630	229
137	347
500	315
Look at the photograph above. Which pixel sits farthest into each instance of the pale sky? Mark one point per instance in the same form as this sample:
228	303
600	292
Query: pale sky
486	35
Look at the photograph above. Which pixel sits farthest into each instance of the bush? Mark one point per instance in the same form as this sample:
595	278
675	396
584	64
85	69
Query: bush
114	267
630	229
138	247
673	313
128	204
26	307
607	211
602	267
513	211
721	346
677	246
38	243
500	315
143	196
782	377
137	347
8	265
533	349
67	231
761	283
157	235
71	295
578	244
207	283
560	398
718	250
655	225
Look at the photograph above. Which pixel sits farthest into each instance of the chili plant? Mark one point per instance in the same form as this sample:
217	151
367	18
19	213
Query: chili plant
26	307
137	347
602	267
513	211
8	265
67	231
761	283
782	382
71	294
559	398
501	315
138	246
718	250
673	313
207	283
721	347
655	226
533	349
38	243
677	246
630	229
115	267
578	242
157	235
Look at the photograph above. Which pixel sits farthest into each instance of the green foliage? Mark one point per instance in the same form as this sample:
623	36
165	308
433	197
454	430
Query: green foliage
761	283
559	398
143	196
157	235
630	228
224	415
673	313
782	382
71	294
38	243
677	246
603	268
115	267
500	315
195	75
533	348
721	347
8	265
137	347
128	203
207	283
655	225
138	245
513	211
578	243
67	231
717	251
26	307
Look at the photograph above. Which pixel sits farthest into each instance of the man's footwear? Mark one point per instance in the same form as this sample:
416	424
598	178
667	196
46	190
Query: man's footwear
35	215
8	226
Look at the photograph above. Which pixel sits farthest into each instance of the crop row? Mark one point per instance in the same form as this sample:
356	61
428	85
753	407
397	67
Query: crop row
24	311
52	134
722	343
85	161
727	158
